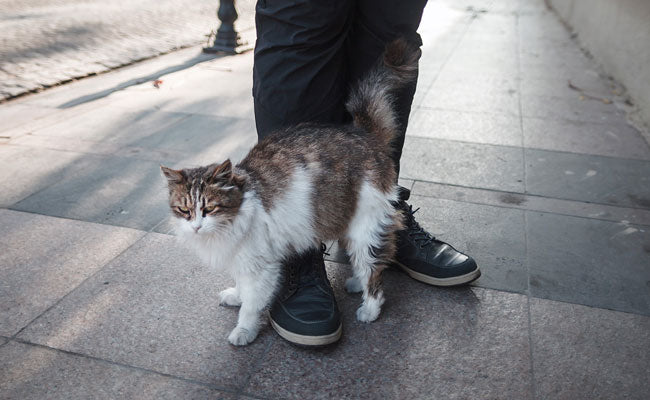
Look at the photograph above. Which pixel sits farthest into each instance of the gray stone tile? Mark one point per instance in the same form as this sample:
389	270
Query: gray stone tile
66	144
31	123
44	258
486	56
485	128
494	236
597	179
596	263
588	81
428	343
156	306
454	90
556	63
532	203
113	190
466	164
588	353
27	170
222	93
583	137
16	114
30	372
206	139
112	124
574	109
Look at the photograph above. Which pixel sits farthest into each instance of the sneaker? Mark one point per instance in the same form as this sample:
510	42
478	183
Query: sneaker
305	311
428	259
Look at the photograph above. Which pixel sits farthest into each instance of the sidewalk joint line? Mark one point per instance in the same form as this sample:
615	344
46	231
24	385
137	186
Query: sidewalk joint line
415	135
56	303
522	194
128	366
253	369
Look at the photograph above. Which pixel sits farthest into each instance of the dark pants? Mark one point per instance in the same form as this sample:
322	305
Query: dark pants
310	52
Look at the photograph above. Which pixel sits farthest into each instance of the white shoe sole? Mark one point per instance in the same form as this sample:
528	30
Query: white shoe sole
307	340
452	281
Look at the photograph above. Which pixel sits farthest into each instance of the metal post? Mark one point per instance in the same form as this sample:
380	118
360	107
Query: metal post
226	40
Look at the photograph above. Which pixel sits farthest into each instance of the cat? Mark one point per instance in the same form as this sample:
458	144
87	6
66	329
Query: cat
297	188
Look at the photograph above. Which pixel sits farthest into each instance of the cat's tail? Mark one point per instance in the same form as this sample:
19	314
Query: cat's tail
371	101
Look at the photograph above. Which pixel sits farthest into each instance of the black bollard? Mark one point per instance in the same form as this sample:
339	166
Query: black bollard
226	40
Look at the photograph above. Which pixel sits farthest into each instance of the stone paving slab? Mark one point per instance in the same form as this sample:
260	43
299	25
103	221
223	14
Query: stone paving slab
111	190
473	97
428	343
14	114
205	139
588	353
622	141
45	258
33	372
596	263
493	235
464	126
466	164
224	91
27	170
582	177
111	124
532	203
572	109
155	307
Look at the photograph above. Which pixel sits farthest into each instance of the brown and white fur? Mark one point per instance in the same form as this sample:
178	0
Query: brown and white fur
297	188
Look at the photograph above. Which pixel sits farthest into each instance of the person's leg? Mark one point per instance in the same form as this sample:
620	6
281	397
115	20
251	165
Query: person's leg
376	23
300	75
300	69
421	255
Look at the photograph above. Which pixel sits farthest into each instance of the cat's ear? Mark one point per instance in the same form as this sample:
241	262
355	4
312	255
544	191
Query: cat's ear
172	175
220	171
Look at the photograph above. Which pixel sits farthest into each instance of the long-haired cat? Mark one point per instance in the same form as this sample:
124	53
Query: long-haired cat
297	188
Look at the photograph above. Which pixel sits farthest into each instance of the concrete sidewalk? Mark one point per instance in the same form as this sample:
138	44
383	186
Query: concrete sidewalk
546	185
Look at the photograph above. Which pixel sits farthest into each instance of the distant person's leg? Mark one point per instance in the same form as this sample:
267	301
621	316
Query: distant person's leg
300	75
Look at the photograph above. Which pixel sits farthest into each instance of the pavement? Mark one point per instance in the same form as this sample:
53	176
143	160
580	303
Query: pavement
47	42
544	183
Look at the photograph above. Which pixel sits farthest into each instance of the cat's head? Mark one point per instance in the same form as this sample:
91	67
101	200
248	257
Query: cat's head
204	200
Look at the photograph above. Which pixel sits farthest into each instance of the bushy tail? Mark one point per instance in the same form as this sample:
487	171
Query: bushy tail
371	102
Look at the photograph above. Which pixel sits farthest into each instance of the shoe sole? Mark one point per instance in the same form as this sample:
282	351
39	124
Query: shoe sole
452	281
305	340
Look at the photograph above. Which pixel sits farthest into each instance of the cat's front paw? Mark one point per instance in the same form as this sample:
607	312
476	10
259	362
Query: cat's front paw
241	336
229	297
353	285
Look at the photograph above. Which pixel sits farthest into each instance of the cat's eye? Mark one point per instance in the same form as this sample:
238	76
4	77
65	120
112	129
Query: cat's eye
209	209
184	210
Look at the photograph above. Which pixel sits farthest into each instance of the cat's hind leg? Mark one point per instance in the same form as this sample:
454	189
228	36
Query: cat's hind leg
370	243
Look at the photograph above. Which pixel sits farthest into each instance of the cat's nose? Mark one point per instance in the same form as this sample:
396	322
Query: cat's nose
196	228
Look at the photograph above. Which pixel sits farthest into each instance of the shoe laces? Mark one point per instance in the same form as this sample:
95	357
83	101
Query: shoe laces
421	236
295	272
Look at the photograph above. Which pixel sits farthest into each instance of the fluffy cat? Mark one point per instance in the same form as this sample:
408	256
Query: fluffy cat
297	188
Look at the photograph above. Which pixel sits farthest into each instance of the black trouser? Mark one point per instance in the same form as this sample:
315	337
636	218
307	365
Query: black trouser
310	52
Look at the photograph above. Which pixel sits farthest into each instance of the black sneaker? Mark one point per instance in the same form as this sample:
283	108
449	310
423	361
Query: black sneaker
428	259
305	311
